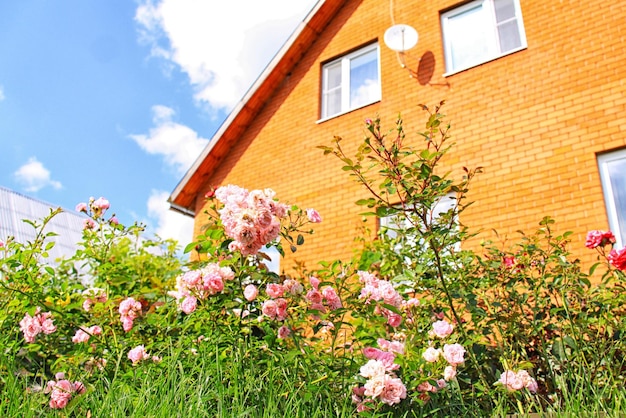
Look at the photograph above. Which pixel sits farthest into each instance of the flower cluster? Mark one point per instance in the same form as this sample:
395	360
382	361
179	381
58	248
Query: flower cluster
375	289
31	326
599	239
83	334
93	296
251	219
129	310
199	284
62	390
452	355
321	299
96	207
382	384
513	381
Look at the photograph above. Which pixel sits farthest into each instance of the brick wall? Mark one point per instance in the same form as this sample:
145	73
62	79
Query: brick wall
534	120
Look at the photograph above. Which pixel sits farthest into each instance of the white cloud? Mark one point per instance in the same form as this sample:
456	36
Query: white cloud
33	176
178	144
2	96
221	46
169	224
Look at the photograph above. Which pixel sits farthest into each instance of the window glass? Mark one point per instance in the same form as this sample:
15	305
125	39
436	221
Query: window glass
481	30
364	79
332	88
467	34
350	82
613	174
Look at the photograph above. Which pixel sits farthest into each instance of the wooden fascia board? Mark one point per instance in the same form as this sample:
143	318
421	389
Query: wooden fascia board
183	197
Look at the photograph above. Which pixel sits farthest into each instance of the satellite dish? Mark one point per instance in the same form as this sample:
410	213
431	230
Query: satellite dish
400	37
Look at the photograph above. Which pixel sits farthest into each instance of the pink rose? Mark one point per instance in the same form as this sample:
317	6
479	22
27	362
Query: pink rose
393	392
449	373
138	354
283	332
275	309
372	369
442	329
314	296
101	203
528	381
81	207
61	394
189	304
315	282
89	224
431	354
313	216
392	346
213	283
274	290
80	337
192	278
127	323
599	239
250	292
371	353
426	387
393	319
618	259
453	353
510	380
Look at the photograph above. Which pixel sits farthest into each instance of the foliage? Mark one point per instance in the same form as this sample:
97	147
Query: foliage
415	324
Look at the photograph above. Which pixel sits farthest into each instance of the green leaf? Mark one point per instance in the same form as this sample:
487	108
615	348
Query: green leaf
300	239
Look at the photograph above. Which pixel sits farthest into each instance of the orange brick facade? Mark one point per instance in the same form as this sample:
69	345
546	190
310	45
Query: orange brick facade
535	120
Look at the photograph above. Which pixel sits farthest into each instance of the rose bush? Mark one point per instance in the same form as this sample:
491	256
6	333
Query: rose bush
412	323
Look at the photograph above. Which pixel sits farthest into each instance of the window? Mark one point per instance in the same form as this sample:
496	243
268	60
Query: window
350	82
613	175
480	31
394	223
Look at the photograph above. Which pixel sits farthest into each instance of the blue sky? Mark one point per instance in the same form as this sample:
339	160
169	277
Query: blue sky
116	98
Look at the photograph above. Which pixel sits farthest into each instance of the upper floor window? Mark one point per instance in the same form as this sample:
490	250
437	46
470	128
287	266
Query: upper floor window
613	175
350	82
480	31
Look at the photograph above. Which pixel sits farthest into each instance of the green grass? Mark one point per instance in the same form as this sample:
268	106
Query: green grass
242	385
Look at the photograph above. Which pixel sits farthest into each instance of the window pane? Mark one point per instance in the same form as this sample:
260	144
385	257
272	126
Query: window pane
332	102
508	34
505	9
332	75
364	86
331	95
617	175
468	37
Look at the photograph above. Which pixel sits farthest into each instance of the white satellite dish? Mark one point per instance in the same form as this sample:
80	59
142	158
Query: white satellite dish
400	37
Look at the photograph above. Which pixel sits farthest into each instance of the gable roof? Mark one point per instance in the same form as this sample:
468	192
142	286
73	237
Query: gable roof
184	195
15	207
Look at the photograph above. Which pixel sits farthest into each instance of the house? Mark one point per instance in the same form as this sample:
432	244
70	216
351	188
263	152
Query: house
15	207
535	93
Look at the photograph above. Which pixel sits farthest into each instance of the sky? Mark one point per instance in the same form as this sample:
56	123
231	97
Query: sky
117	98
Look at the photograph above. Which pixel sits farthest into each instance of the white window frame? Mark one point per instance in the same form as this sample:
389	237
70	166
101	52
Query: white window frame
612	209
494	48
344	62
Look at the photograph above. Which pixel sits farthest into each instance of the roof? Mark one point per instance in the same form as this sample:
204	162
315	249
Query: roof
184	195
14	207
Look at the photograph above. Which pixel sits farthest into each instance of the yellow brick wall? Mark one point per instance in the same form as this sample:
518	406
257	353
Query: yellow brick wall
534	120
